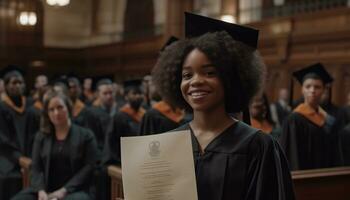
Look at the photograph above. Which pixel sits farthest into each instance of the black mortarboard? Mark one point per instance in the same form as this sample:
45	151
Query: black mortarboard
101	80
170	40
132	84
60	79
12	68
196	25
317	69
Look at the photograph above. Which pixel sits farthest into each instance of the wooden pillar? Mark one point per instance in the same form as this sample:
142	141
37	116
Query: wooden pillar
175	19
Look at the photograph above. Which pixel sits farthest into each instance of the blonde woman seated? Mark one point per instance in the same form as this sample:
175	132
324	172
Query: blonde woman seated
64	155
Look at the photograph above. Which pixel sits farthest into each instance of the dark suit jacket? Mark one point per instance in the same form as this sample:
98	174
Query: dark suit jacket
83	157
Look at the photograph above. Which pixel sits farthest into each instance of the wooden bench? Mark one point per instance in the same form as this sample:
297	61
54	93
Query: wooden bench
25	164
115	173
322	184
318	184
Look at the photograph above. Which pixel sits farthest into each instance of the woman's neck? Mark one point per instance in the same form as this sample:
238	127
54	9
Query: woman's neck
62	130
210	121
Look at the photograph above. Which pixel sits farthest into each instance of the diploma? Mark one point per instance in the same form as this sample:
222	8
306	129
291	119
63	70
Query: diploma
158	167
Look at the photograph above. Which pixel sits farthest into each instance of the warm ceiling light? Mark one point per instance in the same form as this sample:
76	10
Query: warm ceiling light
228	18
27	18
57	2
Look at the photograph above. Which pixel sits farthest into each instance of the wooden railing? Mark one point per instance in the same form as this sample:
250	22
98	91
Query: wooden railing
115	173
25	164
322	184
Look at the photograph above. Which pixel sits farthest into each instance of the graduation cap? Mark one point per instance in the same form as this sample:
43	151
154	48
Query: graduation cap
317	69
170	40
132	85
12	69
101	80
314	69
196	25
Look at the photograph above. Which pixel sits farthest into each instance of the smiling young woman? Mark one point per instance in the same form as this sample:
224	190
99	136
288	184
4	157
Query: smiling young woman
213	76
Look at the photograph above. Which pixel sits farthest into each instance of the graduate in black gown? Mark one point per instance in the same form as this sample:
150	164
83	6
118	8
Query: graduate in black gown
64	155
18	125
132	111
103	109
261	116
308	137
79	108
205	74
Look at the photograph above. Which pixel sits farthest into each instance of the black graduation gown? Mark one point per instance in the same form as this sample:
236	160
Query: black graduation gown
345	144
17	132
241	163
97	120
154	122
119	127
133	125
83	156
309	146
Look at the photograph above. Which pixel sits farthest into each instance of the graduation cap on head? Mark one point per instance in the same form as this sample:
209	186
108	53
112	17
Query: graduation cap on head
10	69
134	85
170	40
196	25
314	69
317	69
101	80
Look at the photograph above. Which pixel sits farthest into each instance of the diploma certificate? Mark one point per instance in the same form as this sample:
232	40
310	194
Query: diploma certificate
158	167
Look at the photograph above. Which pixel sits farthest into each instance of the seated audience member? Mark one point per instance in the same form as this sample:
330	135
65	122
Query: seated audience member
79	110
64	155
88	95
132	110
18	125
308	135
103	108
280	109
261	117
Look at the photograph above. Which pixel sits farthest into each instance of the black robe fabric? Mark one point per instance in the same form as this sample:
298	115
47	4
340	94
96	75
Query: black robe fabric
154	122
96	119
241	163
309	146
132	123
83	159
119	127
17	131
345	144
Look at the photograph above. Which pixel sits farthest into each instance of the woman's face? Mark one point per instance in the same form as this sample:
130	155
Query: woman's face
200	85
312	90
58	111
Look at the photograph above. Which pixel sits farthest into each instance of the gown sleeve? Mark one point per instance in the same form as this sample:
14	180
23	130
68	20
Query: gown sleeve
268	172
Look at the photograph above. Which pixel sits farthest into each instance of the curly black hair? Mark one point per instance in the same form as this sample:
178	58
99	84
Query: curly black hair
240	68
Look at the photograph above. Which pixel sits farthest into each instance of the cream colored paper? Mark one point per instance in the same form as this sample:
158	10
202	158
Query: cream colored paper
158	167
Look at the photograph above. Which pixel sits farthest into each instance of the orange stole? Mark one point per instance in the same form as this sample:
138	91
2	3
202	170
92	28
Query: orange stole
77	107
136	116
265	126
166	110
318	118
38	105
9	102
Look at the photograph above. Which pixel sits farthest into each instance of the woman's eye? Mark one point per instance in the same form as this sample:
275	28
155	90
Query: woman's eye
211	73
186	75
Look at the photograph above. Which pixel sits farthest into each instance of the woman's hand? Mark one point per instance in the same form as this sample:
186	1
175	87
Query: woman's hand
42	195
58	194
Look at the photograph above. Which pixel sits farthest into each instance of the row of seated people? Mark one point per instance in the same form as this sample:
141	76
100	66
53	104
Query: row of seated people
59	128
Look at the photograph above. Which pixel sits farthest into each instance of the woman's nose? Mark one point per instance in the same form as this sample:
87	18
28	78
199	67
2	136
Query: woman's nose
197	79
